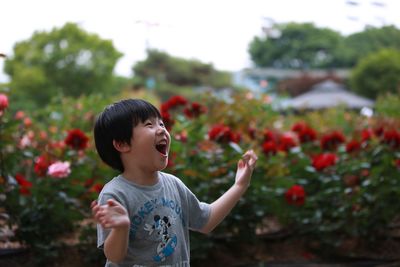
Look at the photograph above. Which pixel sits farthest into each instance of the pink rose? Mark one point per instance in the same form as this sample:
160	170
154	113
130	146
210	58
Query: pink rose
59	169
3	102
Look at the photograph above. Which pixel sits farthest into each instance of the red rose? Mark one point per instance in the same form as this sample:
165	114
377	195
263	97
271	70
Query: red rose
167	119
89	182
364	172
323	161
299	126
173	102
332	140
295	195
182	136
269	136
269	148
286	142
76	139
3	102
223	134
24	185
41	165
194	110
165	107
177	101
353	146
379	131
96	188
304	132
19	115
392	138
307	135
367	135
351	180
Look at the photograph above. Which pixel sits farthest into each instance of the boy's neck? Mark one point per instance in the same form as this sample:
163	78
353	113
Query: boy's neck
141	178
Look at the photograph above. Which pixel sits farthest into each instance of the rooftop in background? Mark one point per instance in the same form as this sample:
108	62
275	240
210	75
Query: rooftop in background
329	94
265	80
290	73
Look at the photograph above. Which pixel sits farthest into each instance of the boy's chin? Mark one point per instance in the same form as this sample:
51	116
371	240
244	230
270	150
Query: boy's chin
163	165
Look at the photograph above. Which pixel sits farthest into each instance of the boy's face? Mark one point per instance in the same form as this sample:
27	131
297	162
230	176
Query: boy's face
150	144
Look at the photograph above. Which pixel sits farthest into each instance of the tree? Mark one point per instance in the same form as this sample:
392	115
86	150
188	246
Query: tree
358	45
165	69
66	61
298	46
377	74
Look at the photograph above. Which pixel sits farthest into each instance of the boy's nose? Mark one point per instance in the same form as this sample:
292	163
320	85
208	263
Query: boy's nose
161	130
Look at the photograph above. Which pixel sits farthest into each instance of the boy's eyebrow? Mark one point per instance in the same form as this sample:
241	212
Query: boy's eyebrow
152	119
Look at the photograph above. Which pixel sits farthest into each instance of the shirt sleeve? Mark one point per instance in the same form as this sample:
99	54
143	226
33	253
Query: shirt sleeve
199	212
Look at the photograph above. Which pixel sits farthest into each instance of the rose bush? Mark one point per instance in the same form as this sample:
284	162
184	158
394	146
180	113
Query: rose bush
328	176
49	173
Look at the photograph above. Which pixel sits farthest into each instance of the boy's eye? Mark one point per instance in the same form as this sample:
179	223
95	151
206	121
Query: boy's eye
148	123
162	124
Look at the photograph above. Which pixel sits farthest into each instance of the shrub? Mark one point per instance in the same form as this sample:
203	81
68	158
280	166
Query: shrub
329	176
325	178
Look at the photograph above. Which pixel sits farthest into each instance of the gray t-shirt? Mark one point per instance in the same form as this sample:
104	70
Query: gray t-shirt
161	216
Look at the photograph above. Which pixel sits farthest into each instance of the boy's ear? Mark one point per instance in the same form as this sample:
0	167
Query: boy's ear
121	146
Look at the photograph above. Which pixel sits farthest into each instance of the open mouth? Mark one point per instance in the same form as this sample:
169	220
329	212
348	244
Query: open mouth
162	148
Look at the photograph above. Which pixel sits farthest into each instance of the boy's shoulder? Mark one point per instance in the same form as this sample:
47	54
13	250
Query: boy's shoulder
170	178
115	181
114	185
175	181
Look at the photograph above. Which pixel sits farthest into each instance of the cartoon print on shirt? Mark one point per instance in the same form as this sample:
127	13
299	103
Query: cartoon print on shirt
168	241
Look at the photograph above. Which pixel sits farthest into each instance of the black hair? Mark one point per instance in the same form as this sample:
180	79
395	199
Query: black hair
116	122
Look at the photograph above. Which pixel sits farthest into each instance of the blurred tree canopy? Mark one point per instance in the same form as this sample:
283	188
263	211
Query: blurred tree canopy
304	46
358	45
64	62
161	69
296	46
377	74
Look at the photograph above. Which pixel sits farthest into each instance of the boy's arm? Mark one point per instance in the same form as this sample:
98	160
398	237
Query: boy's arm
113	215
224	204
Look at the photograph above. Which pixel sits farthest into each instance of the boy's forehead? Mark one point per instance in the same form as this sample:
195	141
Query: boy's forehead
152	118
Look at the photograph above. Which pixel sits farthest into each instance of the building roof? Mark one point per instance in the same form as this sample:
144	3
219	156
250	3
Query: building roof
265	73
329	94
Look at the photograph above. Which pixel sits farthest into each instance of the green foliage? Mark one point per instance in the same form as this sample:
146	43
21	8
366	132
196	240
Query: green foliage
64	62
377	74
358	45
303	46
169	74
349	198
297	46
43	205
387	105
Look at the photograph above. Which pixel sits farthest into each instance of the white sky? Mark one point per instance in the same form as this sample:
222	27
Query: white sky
212	31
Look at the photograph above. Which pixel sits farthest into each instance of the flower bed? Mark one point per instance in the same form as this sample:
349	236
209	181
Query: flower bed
329	176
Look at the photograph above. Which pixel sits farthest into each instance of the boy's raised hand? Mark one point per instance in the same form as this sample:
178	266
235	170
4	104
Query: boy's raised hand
110	215
245	168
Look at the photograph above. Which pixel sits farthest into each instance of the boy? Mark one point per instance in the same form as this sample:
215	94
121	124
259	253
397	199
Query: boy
144	215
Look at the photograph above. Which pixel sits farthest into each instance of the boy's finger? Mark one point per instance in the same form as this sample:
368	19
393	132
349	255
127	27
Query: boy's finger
249	153
241	163
112	202
94	203
246	156
252	159
95	209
